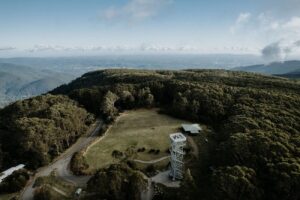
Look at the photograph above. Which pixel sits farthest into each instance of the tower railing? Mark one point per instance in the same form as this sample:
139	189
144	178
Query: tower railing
178	141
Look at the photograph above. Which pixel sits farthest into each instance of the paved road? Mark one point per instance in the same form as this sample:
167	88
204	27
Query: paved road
61	164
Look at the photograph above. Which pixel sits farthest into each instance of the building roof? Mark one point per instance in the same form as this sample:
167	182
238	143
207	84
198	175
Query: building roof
177	137
193	128
9	171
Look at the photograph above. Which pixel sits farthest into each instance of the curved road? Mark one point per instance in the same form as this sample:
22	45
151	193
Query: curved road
61	164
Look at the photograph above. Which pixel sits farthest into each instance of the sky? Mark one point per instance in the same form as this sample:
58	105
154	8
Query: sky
268	28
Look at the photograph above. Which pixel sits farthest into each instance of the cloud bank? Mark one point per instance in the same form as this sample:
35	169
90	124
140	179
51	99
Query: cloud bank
281	35
278	51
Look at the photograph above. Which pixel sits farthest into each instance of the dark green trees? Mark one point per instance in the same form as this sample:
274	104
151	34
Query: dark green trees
118	182
235	182
256	117
36	130
14	182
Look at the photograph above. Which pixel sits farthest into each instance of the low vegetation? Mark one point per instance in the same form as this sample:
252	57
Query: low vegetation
78	164
52	188
15	182
140	134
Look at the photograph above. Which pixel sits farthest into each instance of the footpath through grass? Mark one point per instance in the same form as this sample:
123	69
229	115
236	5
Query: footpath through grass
134	130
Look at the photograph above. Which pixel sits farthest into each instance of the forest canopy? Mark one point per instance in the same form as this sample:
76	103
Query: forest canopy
36	130
256	118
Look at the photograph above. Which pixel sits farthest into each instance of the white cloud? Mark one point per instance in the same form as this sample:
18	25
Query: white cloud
242	19
280	34
293	23
42	47
265	23
280	50
135	10
113	48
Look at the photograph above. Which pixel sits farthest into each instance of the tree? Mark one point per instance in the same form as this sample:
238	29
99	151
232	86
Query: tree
15	182
235	182
108	108
118	182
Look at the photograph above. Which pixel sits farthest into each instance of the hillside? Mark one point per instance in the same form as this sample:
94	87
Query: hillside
255	117
272	68
36	130
293	75
18	81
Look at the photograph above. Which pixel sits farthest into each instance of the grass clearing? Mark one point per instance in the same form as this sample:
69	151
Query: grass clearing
134	129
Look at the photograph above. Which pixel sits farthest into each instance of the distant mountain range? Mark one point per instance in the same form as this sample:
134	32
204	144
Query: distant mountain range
25	77
294	74
18	82
288	69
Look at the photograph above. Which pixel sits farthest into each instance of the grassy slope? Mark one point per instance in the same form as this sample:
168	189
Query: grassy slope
139	128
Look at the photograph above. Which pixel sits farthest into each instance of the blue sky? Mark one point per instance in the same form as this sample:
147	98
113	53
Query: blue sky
87	27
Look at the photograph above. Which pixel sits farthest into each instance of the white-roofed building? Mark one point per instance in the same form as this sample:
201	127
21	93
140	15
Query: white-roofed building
191	128
9	172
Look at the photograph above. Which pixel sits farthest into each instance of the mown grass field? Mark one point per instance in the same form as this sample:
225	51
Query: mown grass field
133	130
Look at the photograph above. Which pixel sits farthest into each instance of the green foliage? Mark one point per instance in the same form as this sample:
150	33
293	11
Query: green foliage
108	108
44	193
256	117
118	182
14	182
235	182
78	163
35	130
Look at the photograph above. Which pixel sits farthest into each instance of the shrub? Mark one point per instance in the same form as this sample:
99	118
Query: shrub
15	182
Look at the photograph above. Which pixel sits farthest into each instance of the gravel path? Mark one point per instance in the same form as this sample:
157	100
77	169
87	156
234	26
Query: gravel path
151	161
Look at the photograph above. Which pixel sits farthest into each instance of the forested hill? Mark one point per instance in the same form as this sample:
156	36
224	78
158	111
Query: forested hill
36	130
19	81
285	67
257	119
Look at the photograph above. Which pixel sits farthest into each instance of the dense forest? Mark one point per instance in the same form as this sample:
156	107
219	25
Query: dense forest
256	117
36	130
117	182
